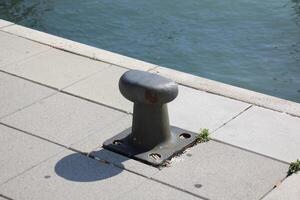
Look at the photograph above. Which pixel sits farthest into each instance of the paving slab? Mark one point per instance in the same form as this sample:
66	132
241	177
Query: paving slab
218	171
194	110
14	49
17	93
93	145
288	190
71	176
94	141
4	23
74	176
63	118
103	87
264	131
153	191
56	68
20	152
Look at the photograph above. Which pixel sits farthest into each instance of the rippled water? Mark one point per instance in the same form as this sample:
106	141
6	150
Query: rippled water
252	44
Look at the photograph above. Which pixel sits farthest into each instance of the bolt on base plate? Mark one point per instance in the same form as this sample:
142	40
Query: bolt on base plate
180	140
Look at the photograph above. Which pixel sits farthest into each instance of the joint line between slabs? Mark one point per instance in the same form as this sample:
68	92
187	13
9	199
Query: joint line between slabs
6	197
273	188
234	117
6	26
29	80
250	151
33	103
33	135
82	79
153	69
25	58
95	102
33	166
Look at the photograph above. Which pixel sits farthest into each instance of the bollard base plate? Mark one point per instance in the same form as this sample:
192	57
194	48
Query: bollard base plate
180	140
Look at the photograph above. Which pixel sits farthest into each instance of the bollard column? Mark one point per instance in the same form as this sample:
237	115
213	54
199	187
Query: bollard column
151	139
150	125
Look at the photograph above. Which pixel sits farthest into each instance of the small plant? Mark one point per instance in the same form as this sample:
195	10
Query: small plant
294	167
203	136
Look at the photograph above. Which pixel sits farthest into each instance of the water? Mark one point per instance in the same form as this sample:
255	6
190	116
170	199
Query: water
251	44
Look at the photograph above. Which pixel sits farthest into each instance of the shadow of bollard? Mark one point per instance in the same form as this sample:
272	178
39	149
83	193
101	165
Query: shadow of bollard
79	168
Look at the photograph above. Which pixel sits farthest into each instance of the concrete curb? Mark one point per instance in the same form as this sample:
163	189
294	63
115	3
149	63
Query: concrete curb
199	83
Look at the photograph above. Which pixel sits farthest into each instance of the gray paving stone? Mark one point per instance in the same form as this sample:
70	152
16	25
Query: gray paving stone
4	23
56	68
288	190
72	176
63	118
17	93
264	131
194	110
19	152
104	88
93	145
218	171
14	48
93	142
153	191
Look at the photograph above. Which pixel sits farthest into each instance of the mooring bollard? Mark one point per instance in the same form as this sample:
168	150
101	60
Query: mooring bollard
150	94
151	138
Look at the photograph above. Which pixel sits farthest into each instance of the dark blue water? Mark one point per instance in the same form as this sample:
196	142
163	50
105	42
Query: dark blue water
252	44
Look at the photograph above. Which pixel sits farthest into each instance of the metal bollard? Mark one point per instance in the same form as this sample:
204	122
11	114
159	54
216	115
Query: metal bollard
151	139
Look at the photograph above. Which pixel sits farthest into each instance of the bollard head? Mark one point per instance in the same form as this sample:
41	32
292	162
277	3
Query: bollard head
144	87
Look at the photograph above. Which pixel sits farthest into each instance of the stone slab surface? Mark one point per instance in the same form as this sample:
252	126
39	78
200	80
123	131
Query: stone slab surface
93	145
94	141
104	88
56	68
194	110
64	119
156	191
288	190
14	48
218	171
19	152
78	48
264	131
17	93
4	23
73	176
